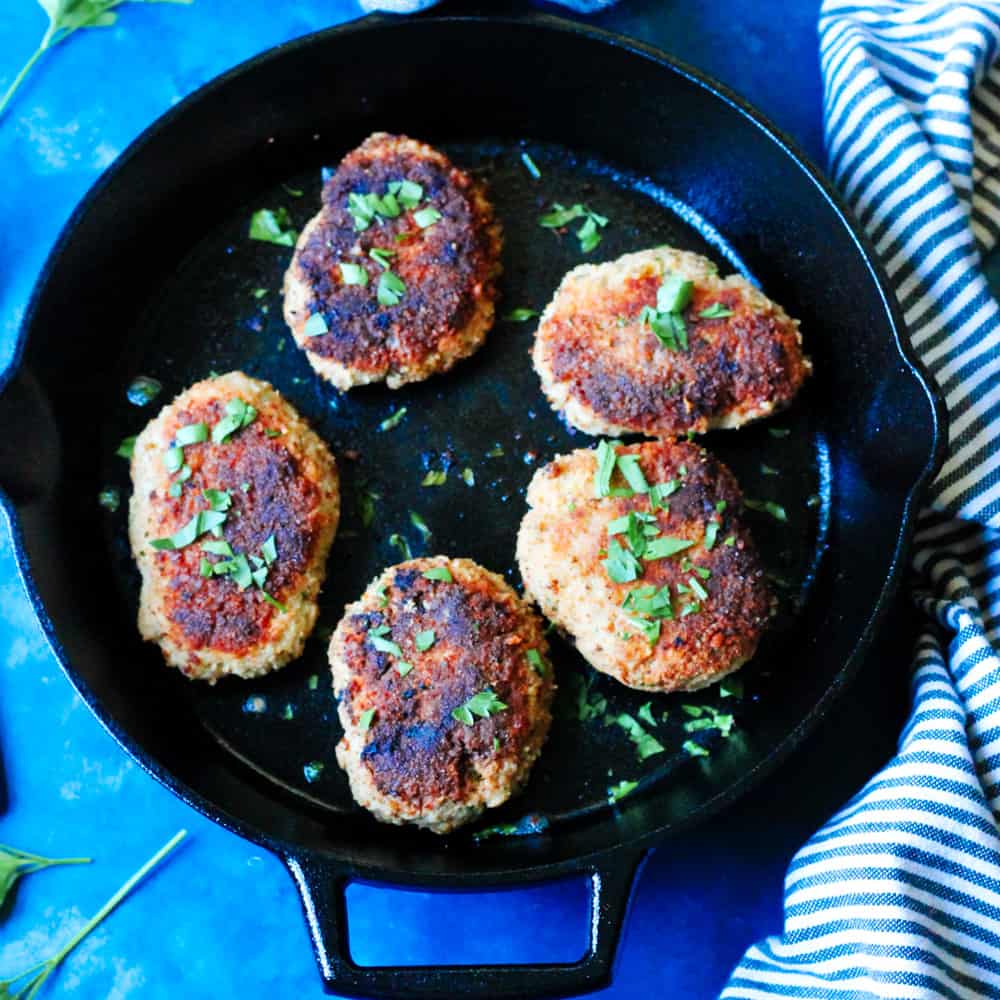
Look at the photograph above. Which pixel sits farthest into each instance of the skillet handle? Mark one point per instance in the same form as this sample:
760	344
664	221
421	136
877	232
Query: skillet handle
321	884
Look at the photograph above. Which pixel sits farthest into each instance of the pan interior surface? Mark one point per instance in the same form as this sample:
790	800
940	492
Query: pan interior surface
221	310
155	276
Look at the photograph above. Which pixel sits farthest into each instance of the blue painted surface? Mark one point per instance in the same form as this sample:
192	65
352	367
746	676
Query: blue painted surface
222	920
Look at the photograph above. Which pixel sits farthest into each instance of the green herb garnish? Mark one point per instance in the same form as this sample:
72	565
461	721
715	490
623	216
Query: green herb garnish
353	274
239	414
468	477
731	687
365	719
127	448
520	315
403	668
629	466
393	421
537	662
645	744
218	499
665	546
382	257
715	311
399	542
15	864
173	459
484	704
606	460
694	749
273	227
391	289
315	326
617	792
435	477
441	573
646	714
192	434
204	520
313	682
620	565
424	640
269	550
384	645
495	452
426	217
588	234
767	507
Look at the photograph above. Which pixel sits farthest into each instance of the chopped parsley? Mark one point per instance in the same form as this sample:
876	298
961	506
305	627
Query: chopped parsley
441	573
394	420
315	326
629	466
617	792
521	315
778	432
767	507
711	534
620	565
239	414
665	546
426	217
353	274
127	448
192	434
269	550
313	682
484	704
364	501
420	524
435	477
694	749
731	687
495	452
391	289
697	589
376	637
645	744
589	234
382	257
646	714
403	668
537	662
399	542
218	499
365	719
715	311
173	459
659	493
606	461
666	320
424	640
273	227
468	476
531	166
204	520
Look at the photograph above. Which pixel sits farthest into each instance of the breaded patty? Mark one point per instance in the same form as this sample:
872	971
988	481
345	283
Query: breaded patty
660	588
234	507
617	355
425	299
445	692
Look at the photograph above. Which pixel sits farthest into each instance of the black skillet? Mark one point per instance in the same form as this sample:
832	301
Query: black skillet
154	276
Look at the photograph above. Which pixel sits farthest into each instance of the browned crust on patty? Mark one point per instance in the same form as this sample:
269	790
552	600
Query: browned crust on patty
449	268
610	374
283	486
563	542
416	763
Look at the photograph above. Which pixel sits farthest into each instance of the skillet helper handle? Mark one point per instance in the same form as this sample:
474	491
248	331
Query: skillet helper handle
321	884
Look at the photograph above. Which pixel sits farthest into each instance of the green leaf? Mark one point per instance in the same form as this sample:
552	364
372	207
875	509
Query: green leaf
427	217
674	294
665	546
468	477
521	315
393	421
218	499
441	573
606	460
617	792
173	459
659	493
646	714
14	864
403	668
620	565
537	662
273	226
629	466
204	520
239	414
420	524
484	704
391	289
649	601
767	507
424	640
731	687
435	477
694	749
531	166
315	326
385	645
353	274
711	534
127	448
365	501
218	547
559	215
382	257
402	544
409	194
365	719
362	208
715	311
645	744
192	434
269	550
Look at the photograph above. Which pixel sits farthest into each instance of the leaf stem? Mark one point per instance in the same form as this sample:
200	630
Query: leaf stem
43	47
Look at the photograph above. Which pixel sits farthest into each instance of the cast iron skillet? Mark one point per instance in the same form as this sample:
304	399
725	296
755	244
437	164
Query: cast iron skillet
154	275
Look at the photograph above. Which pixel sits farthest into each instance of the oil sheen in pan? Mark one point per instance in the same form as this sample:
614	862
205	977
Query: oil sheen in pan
222	310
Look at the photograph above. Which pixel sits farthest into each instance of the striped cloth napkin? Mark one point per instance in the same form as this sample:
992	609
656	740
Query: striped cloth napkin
899	894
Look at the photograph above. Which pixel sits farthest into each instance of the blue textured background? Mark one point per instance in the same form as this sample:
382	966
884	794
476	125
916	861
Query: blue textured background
222	920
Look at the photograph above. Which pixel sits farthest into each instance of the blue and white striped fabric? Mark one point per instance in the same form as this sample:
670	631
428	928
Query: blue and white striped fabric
899	894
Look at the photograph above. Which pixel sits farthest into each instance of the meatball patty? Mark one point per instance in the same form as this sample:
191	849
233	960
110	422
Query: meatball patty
657	343
234	507
640	554
394	279
445	692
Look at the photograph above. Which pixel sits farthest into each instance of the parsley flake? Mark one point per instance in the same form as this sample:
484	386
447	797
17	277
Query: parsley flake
426	217
441	573
665	546
715	311
646	745
192	434
767	507
315	326
521	315
353	274
399	542
127	448
617	792
391	289
273	227
393	420
606	461
694	749
435	477
365	719
424	640
239	414
484	704
537	661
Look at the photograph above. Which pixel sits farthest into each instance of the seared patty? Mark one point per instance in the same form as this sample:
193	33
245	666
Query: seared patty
445	691
659	622
448	267
604	366
274	485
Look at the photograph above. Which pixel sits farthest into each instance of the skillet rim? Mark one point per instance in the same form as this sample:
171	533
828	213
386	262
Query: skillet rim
640	842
